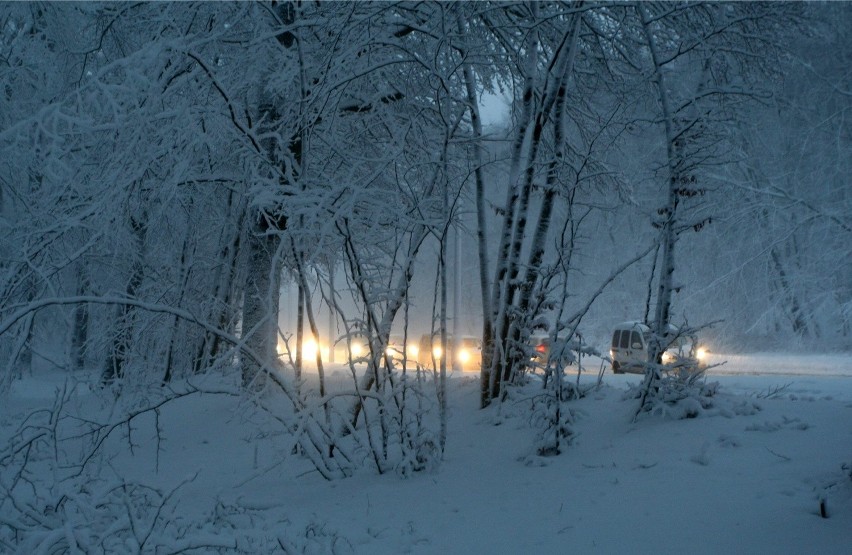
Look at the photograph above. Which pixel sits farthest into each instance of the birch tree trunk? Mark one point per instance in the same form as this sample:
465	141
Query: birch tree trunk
669	217
537	248
493	348
508	289
481	227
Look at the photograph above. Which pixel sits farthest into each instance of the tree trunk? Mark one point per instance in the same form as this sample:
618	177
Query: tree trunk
225	299
669	217
525	291
507	282
494	351
115	364
481	230
261	298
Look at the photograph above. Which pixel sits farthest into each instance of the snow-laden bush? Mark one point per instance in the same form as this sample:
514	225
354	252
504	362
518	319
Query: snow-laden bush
678	393
553	421
106	517
55	498
544	407
63	491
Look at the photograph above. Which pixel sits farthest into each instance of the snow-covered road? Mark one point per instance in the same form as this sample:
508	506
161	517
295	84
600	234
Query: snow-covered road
829	365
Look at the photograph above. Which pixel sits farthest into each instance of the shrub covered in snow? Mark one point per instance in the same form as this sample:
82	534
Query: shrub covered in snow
684	393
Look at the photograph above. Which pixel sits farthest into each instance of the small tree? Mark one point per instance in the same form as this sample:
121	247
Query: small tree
701	46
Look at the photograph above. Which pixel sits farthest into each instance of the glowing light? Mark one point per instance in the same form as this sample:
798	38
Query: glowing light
309	350
464	356
413	351
437	352
356	349
701	353
667	357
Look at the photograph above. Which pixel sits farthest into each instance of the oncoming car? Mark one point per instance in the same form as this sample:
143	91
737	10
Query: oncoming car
355	348
468	356
397	347
631	341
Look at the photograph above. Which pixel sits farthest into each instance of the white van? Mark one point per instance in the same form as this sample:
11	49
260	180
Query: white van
630	343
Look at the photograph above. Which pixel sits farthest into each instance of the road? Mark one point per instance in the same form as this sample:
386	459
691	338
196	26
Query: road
828	365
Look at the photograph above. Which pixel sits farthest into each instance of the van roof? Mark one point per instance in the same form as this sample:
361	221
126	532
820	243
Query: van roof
632	325
639	326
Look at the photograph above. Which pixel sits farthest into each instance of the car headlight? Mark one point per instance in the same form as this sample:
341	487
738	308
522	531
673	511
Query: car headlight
309	349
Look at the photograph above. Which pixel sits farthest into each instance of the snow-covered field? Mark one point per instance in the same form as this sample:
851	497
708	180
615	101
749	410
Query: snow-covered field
747	476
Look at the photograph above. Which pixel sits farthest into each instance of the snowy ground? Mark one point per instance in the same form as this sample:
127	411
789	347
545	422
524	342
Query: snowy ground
745	477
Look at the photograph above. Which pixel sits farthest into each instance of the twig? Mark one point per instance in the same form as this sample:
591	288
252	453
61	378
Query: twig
780	456
773	391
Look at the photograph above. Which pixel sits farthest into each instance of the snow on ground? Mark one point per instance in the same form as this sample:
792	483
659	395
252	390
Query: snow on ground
747	477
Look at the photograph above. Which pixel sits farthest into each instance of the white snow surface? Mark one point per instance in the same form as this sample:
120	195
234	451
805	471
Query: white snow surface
746	476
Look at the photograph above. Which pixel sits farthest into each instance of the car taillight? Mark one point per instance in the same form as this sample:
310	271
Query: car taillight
540	348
